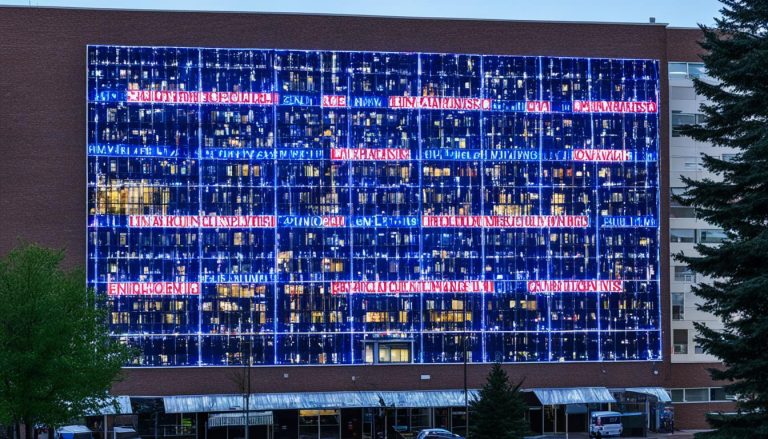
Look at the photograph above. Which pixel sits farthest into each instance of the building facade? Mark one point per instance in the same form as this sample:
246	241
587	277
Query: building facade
327	207
685	229
356	204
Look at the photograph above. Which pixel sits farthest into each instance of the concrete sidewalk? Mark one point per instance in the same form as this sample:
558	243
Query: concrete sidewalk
680	434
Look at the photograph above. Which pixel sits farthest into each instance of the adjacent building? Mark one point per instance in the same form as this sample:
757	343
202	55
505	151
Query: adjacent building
350	218
686	230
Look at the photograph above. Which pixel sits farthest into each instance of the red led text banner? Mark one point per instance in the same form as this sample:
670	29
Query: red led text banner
614	107
212	222
439	103
413	286
404	102
538	106
202	97
522	221
153	289
575	286
601	155
378	154
334	101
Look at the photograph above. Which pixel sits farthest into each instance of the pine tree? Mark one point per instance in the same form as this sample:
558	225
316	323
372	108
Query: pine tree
737	117
499	412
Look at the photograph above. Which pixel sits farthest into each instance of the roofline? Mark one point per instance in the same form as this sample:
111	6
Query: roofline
684	27
318	14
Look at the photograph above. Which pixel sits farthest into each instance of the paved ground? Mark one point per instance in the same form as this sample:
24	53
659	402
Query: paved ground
680	434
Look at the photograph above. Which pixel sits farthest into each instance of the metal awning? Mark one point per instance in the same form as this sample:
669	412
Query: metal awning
235	419
658	392
573	395
315	400
123	404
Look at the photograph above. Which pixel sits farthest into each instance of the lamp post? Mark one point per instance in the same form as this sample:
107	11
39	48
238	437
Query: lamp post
466	390
247	395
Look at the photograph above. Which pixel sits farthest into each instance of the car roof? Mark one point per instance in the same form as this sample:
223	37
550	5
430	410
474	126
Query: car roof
434	430
124	429
74	429
606	414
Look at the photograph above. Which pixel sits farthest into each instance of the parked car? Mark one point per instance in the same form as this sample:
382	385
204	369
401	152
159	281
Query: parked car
605	424
73	432
437	433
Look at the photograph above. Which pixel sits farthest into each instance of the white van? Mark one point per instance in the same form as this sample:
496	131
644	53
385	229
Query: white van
605	424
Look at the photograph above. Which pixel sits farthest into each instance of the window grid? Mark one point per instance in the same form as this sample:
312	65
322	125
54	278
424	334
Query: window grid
269	288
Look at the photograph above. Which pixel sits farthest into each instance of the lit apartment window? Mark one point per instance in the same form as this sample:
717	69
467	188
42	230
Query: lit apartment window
683	273
711	236
386	352
394	353
680	341
682	235
678	306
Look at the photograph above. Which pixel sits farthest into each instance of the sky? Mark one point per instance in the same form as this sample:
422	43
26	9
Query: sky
678	13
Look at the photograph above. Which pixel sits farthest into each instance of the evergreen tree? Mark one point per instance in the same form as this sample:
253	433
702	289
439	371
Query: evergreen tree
499	412
57	360
737	117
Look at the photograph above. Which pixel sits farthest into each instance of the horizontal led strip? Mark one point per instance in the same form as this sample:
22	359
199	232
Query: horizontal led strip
575	286
413	287
601	155
153	289
493	221
368	154
615	107
426	221
202	221
201	97
439	103
312	221
115	289
398	102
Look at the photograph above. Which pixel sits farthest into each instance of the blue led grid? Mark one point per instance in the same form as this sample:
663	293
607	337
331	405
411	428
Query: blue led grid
325	219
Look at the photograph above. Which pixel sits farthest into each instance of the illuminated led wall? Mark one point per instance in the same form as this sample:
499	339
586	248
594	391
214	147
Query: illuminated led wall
320	207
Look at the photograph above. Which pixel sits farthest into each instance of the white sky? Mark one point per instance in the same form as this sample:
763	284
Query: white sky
680	13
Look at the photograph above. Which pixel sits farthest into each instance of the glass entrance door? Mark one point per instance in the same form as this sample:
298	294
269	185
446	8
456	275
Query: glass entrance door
319	424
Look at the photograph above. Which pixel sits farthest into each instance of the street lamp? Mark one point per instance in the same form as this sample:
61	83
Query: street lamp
247	395
466	390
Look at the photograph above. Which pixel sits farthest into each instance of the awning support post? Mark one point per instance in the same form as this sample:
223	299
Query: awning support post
554	411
